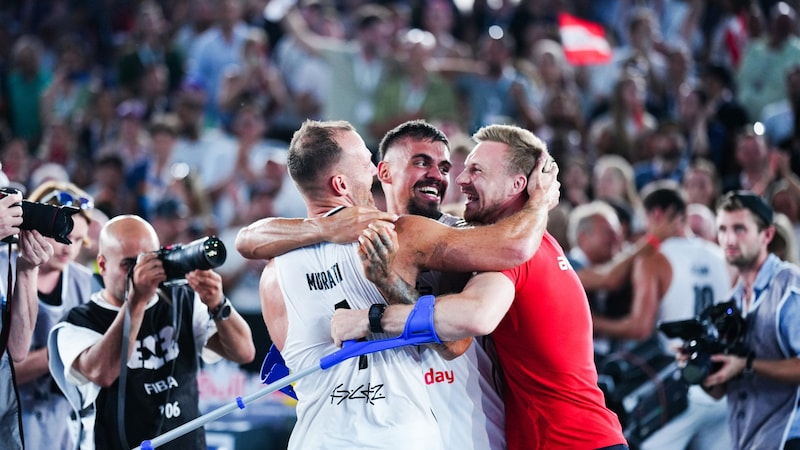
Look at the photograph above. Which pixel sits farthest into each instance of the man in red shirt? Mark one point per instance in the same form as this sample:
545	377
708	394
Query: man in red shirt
537	313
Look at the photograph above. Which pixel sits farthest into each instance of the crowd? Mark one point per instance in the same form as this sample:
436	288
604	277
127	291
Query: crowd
182	113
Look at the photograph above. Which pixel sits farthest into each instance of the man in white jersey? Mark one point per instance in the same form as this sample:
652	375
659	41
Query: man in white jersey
331	274
414	173
678	281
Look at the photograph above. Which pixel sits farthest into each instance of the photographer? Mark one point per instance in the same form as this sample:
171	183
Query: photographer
163	332
18	313
61	284
683	276
762	386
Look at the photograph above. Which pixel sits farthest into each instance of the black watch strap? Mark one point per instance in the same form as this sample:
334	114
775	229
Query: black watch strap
375	316
748	365
222	311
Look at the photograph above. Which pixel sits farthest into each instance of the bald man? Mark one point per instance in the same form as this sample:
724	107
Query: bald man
163	340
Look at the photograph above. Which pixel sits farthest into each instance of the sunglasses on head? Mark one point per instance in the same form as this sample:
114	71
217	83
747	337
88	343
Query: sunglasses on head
68	199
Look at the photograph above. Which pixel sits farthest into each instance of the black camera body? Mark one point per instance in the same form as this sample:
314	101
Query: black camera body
718	329
50	220
202	254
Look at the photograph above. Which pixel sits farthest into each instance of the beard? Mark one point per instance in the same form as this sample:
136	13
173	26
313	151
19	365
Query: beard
425	209
743	261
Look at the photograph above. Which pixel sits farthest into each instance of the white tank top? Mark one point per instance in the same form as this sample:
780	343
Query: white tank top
700	278
378	401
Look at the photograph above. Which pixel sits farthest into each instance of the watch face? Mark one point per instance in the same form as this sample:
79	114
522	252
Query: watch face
226	311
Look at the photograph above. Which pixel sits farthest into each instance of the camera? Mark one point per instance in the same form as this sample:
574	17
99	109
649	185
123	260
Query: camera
50	220
202	254
718	329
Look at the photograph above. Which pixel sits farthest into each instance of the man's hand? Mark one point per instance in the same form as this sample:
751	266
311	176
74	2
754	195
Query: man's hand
731	366
349	324
148	273
543	182
348	224
34	250
377	247
10	215
208	285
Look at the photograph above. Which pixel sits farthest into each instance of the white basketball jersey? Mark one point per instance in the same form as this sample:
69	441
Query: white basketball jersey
377	401
700	279
469	409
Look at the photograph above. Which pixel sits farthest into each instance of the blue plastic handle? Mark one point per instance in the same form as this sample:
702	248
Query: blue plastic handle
419	330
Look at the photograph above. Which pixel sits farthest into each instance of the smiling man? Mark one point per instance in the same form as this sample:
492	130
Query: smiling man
414	172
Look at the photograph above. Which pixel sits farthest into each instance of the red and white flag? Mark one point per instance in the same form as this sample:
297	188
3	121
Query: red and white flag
584	42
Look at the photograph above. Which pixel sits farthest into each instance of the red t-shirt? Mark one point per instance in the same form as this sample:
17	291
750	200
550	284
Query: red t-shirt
544	344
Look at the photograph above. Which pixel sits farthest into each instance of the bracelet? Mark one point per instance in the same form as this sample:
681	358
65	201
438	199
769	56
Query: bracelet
652	241
375	315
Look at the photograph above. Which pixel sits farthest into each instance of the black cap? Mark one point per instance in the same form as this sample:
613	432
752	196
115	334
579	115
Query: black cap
755	203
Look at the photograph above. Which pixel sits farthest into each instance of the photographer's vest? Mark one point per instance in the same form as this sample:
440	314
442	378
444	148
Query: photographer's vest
162	391
761	410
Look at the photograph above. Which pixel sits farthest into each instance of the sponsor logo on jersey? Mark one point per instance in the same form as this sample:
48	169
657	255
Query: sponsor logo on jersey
368	394
160	385
152	352
439	376
563	263
328	279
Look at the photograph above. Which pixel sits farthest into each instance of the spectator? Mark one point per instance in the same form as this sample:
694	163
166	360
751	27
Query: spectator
357	67
701	183
413	91
148	47
255	81
784	244
779	50
701	221
494	91
618	131
667	160
216	50
726	116
26	80
305	73
66	98
613	181
133	141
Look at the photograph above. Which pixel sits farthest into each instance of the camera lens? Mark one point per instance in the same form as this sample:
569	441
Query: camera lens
202	254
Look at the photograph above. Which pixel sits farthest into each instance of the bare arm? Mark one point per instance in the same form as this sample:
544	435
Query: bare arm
475	311
377	259
273	308
100	363
34	251
613	274
233	339
616	272
32	367
295	24
502	245
648	288
273	236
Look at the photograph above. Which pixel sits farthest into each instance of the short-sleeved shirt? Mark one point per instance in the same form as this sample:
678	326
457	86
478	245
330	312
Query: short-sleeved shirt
545	347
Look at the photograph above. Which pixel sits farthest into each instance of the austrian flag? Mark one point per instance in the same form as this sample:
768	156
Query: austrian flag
584	42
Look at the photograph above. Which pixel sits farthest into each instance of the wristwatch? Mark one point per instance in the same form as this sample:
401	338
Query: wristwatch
375	316
222	311
748	365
